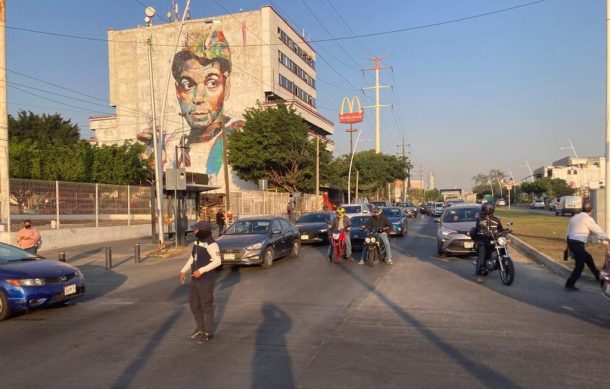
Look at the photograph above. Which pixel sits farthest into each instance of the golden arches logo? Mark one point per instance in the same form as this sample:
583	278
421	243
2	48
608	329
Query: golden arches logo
351	116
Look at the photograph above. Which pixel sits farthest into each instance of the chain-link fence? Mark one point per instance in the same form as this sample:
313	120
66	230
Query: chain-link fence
52	204
254	203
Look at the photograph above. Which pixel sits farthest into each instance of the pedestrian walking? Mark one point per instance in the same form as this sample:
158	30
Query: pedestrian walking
220	220
205	257
28	238
580	227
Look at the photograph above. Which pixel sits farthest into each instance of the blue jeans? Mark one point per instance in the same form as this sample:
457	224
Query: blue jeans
386	242
348	245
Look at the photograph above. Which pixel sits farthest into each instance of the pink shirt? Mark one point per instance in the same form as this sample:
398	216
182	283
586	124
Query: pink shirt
27	237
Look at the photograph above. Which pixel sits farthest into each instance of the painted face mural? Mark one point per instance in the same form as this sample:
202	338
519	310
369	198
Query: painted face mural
201	71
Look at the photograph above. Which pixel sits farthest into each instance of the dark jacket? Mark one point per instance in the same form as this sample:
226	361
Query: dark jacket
487	227
378	223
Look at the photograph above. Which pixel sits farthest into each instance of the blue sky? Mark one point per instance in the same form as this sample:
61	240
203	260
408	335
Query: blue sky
487	93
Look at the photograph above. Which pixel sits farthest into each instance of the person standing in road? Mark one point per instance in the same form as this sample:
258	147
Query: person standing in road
220	220
28	238
579	228
205	257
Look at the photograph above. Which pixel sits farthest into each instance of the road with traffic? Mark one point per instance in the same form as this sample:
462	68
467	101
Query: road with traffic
308	323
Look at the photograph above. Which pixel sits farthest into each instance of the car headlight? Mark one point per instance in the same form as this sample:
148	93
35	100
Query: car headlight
26	282
255	246
447	231
502	241
324	230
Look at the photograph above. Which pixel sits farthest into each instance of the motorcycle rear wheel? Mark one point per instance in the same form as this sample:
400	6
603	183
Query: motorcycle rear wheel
508	274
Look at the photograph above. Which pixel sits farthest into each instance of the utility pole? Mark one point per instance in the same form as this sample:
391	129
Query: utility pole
357	179
5	195
377	68
607	181
317	172
407	181
351	131
225	162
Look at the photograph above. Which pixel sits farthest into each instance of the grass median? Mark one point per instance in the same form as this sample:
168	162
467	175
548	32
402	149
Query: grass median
546	233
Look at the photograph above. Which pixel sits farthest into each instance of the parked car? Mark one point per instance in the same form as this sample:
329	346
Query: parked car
454	229
426	207
29	282
537	204
352	210
569	204
259	241
313	227
397	218
438	208
357	236
500	203
409	209
380	203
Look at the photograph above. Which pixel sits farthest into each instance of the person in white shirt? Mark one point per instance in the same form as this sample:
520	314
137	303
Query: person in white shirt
580	227
205	257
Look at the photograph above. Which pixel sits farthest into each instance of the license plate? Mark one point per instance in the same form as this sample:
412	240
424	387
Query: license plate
228	256
69	289
304	237
468	245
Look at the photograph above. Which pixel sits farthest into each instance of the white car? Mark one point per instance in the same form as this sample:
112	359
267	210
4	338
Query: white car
539	204
352	210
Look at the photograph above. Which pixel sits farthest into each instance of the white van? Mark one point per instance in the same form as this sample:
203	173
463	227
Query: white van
569	204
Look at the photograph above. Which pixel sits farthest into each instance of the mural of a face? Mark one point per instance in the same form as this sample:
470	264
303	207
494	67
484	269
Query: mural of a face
202	90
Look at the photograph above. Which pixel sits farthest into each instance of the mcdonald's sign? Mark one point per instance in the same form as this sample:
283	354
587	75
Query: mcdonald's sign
351	116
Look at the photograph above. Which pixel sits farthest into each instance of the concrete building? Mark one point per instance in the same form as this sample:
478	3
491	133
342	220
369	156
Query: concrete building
582	173
222	66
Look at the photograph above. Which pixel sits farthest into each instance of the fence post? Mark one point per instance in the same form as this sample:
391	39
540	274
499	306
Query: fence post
108	258
136	253
57	204
97	205
128	205
62	256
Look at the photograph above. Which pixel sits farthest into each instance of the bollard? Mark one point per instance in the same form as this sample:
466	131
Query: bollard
136	253
108	258
62	256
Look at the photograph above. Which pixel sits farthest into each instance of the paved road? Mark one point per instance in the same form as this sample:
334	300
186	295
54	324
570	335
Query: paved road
309	324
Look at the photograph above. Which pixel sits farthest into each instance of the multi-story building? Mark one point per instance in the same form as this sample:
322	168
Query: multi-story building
580	173
221	66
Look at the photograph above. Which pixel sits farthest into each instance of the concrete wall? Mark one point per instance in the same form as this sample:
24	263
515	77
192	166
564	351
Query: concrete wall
69	237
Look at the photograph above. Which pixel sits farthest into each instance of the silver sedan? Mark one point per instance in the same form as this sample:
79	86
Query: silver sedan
455	224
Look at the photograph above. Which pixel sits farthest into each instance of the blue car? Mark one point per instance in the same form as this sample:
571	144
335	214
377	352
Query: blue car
357	236
397	218
29	282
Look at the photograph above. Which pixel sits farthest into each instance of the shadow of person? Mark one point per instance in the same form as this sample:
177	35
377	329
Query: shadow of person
224	288
271	366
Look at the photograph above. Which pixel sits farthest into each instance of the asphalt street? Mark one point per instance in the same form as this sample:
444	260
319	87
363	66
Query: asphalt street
307	323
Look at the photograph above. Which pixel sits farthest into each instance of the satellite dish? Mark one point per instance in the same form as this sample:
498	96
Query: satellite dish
150	12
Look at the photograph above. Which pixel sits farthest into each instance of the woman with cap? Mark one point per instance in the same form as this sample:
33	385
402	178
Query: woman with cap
205	257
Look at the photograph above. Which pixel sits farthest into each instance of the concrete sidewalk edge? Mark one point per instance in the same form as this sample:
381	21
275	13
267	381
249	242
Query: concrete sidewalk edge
545	260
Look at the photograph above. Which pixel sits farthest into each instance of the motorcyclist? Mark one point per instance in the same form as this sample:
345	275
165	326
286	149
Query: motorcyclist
379	223
341	223
486	229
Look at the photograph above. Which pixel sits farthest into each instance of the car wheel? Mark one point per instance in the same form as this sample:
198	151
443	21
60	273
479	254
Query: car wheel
5	311
267	258
296	248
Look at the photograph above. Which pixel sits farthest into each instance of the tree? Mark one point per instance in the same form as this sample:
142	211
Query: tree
274	145
43	129
484	182
120	165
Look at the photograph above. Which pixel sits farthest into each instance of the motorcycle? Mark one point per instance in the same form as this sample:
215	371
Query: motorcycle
500	259
337	240
375	249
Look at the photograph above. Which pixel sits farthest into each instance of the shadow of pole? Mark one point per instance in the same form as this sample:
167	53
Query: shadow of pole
484	374
131	371
223	290
272	366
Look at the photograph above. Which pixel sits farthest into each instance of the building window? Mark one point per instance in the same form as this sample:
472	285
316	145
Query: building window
284	60
296	91
304	55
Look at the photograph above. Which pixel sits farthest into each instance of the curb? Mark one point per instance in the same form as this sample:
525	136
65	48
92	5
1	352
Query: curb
545	260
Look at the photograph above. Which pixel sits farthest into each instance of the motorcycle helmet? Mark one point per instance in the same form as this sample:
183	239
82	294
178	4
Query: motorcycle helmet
377	211
340	211
488	209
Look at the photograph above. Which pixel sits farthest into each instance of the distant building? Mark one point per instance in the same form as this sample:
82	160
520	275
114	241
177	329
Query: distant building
449	194
580	173
222	66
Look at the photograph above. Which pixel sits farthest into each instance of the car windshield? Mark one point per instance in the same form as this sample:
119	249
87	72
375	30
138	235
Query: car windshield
246	227
392	212
352	209
314	218
458	215
14	254
378	203
439	204
405	205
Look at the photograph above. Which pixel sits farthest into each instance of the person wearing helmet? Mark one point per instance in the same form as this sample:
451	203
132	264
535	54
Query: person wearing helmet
341	223
486	229
379	222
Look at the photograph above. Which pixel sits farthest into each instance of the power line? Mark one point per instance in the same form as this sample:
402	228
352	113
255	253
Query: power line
348	37
349	29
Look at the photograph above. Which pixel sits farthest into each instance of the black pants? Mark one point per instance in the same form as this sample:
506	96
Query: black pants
221	227
483	249
201	301
581	256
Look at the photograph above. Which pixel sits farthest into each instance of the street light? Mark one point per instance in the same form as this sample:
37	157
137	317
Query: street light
349	174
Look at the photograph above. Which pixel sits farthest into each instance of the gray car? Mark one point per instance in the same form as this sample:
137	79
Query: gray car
454	228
